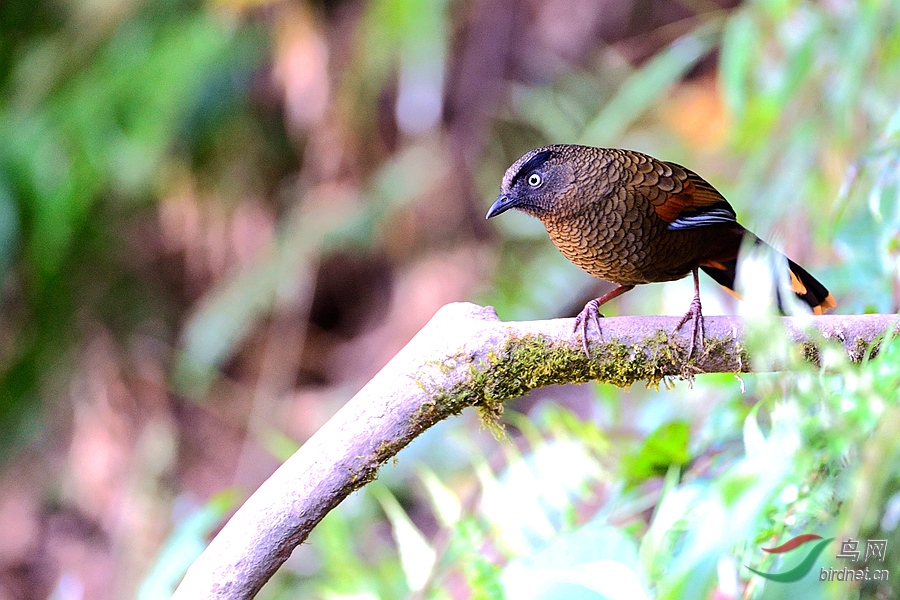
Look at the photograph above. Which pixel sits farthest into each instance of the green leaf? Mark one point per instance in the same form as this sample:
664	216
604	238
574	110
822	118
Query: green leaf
737	59
187	540
447	506
416	555
754	440
666	446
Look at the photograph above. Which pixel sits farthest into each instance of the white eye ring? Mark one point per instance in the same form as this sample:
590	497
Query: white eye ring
535	180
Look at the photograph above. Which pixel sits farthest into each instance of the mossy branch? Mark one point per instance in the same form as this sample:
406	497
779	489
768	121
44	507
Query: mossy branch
463	357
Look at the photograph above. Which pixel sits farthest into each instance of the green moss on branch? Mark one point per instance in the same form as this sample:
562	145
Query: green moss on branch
529	362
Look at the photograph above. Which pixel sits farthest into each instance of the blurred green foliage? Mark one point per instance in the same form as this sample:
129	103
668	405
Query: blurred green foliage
90	119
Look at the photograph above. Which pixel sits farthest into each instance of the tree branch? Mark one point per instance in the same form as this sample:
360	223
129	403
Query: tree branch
463	357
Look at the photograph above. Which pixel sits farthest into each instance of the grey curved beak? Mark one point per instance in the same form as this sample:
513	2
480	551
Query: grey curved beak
500	206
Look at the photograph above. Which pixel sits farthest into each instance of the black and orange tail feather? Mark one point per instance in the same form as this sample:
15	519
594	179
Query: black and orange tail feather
723	273
807	287
810	290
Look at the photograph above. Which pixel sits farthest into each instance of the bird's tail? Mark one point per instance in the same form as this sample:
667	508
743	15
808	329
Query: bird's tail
805	286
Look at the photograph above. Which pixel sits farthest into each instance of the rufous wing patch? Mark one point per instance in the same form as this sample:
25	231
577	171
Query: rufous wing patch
673	206
693	198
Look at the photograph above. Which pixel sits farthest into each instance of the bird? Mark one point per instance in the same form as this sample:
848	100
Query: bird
631	219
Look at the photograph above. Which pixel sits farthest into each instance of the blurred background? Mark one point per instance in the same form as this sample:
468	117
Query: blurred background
218	220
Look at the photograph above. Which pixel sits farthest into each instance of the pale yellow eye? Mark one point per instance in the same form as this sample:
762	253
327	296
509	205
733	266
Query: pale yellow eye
535	180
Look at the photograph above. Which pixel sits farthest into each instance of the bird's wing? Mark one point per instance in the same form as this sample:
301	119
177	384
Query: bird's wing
692	202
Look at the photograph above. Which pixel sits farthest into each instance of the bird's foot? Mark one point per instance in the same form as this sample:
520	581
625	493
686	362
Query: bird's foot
695	314
589	314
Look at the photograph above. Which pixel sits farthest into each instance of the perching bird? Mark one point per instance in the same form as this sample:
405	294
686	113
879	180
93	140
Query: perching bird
629	218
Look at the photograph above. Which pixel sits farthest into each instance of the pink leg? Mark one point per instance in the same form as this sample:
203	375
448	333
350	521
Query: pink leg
695	314
591	313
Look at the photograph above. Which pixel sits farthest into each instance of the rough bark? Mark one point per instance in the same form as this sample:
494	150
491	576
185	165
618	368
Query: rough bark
465	357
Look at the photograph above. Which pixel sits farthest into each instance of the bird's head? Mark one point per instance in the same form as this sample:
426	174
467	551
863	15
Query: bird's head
536	183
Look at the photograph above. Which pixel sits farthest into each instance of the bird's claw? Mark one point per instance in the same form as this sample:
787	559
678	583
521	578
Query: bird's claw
589	314
696	315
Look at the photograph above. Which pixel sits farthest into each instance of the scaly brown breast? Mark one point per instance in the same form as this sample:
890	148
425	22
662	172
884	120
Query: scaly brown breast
620	239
